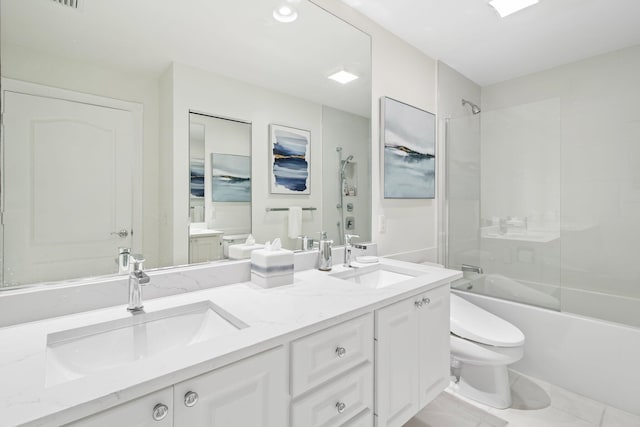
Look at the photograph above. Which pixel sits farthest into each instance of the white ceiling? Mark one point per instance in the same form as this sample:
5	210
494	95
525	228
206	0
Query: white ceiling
237	38
469	36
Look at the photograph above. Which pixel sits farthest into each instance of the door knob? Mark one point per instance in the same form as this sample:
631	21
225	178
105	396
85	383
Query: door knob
122	233
190	398
160	412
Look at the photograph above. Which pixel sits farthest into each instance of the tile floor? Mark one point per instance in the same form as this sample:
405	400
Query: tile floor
535	404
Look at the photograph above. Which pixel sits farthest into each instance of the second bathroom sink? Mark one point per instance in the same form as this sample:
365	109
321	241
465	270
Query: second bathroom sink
378	275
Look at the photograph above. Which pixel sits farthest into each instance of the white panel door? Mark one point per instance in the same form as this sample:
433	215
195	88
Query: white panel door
250	393
67	188
397	363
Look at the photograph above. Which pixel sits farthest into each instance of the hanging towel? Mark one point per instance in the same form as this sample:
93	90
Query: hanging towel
295	222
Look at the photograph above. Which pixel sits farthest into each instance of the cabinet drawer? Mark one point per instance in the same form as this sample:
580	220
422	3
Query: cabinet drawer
337	402
321	356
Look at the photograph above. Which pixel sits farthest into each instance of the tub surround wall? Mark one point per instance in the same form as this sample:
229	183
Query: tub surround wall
594	358
576	147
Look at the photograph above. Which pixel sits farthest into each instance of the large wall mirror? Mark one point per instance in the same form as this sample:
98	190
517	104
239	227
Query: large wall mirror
114	112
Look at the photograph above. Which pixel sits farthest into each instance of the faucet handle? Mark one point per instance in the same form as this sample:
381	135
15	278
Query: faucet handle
348	237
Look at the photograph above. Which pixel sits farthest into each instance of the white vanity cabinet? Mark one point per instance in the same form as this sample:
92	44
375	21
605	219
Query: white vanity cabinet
252	392
332	376
152	410
205	247
412	355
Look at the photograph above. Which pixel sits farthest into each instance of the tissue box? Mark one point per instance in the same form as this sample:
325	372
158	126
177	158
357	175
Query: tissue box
270	268
242	250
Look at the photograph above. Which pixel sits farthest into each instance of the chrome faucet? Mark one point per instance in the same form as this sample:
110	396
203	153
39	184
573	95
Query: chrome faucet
468	268
347	249
137	278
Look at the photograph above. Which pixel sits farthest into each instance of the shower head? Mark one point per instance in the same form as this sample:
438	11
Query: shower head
345	162
474	108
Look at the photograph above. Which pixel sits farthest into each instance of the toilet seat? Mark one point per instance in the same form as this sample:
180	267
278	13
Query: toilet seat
471	322
483	355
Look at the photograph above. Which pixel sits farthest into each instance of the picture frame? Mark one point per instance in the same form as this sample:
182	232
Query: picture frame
289	160
230	178
408	137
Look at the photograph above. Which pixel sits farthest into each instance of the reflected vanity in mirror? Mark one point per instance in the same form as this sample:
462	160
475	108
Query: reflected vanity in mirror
165	73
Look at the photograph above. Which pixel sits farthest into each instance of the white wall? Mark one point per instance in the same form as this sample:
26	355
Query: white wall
209	93
586	120
351	132
401	72
42	68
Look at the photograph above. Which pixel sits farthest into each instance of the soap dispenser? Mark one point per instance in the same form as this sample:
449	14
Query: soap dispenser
324	256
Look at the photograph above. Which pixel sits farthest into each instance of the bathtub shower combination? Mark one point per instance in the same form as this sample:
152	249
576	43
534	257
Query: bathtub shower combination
535	211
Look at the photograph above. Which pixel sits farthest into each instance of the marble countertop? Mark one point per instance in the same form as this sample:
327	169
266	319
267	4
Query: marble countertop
275	316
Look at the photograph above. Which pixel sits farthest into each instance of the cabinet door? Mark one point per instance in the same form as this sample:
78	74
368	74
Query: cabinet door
136	413
249	393
397	363
434	344
206	248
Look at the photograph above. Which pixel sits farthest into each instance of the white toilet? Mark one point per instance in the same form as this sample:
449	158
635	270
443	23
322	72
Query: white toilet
482	345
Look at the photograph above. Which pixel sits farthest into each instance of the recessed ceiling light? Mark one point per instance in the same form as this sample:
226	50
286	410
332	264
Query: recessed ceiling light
285	14
507	7
343	77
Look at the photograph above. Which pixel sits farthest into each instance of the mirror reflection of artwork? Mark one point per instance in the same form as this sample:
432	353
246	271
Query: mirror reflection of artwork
196	167
290	159
409	151
231	178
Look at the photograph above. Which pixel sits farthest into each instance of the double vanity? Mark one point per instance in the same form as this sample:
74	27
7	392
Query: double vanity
351	347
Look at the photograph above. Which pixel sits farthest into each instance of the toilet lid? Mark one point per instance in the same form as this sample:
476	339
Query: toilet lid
473	323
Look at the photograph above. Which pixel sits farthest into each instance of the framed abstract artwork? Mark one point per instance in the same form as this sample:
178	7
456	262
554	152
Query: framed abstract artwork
409	144
230	178
289	160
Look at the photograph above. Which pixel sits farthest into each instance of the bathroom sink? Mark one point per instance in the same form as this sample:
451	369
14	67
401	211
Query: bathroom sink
78	352
378	275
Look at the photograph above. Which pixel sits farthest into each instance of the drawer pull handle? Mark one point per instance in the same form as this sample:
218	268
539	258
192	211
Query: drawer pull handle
418	303
341	352
160	412
426	301
190	399
341	406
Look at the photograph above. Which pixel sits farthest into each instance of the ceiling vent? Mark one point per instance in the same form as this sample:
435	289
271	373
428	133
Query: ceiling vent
73	4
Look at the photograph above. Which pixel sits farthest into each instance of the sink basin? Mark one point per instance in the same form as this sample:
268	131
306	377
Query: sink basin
378	275
75	353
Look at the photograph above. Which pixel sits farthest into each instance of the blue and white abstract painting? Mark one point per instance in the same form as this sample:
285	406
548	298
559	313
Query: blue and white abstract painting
290	160
230	178
409	151
196	172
